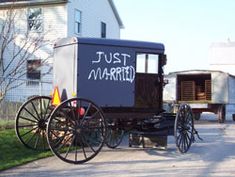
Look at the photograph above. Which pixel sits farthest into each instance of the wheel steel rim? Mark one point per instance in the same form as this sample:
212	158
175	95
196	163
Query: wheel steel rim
31	121
74	137
184	128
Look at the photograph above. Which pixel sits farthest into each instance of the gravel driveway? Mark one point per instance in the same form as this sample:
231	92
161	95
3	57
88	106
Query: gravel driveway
215	156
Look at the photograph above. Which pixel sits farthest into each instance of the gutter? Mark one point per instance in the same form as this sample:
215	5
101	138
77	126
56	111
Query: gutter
30	3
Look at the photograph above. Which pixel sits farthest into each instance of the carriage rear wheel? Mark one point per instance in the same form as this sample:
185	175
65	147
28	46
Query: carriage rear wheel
184	128
76	130
114	134
31	121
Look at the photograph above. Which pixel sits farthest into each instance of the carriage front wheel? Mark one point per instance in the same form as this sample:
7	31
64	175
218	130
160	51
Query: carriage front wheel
76	130
31	121
184	128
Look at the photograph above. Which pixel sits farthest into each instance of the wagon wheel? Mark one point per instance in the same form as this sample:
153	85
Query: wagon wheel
114	135
31	121
76	130
184	128
221	114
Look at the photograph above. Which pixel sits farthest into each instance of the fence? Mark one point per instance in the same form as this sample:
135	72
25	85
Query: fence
22	90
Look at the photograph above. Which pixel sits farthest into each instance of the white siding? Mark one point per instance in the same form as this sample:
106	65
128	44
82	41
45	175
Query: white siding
231	93
222	57
219	87
93	13
55	22
54	27
58	22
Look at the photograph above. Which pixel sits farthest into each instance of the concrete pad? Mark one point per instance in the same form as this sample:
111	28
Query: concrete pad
215	156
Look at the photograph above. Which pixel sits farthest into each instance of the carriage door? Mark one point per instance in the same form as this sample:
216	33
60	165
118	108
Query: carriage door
146	81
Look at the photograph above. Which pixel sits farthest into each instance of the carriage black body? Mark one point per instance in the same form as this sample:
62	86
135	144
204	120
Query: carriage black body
105	71
107	88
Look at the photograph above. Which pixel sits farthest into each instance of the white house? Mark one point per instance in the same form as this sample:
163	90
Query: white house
54	19
222	56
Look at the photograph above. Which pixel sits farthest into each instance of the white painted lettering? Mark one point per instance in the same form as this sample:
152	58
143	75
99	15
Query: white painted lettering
118	70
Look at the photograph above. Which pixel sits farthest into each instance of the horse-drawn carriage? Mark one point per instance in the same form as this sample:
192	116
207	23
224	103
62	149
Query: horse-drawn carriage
104	89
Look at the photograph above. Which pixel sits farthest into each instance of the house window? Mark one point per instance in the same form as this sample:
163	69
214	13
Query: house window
35	21
103	30
147	63
77	21
33	71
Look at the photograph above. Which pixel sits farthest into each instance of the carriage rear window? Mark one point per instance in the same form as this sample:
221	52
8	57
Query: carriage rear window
147	63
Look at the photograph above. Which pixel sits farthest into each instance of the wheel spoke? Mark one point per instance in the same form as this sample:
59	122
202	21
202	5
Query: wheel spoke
74	115
43	140
63	143
87	110
45	117
31	114
37	140
35	110
31	138
67	152
85	142
25	118
26	126
29	131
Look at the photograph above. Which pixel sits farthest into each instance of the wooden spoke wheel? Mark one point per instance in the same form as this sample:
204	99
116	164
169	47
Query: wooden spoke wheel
184	128
76	130
31	121
114	135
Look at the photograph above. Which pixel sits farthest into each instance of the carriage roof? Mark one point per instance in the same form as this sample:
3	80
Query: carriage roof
112	42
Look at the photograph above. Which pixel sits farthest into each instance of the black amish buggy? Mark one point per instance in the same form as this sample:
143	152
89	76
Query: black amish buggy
103	89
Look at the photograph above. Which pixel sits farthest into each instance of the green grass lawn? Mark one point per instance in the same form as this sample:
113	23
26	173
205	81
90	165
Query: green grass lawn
13	152
6	124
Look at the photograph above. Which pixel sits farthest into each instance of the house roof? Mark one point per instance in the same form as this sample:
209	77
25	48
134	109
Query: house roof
5	3
116	13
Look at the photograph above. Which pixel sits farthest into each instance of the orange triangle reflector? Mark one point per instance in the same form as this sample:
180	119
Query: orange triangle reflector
56	97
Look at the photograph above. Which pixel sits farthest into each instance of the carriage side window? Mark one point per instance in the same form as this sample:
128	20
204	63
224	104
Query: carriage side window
147	63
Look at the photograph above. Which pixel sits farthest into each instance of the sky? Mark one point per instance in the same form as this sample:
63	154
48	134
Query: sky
187	28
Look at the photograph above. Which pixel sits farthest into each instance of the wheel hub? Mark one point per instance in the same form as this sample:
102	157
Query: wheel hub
78	129
42	124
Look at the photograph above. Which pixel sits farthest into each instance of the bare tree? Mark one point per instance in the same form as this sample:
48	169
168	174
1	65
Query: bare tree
17	46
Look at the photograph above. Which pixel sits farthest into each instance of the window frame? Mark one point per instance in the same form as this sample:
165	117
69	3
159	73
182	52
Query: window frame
33	69
103	30
41	19
147	60
79	22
